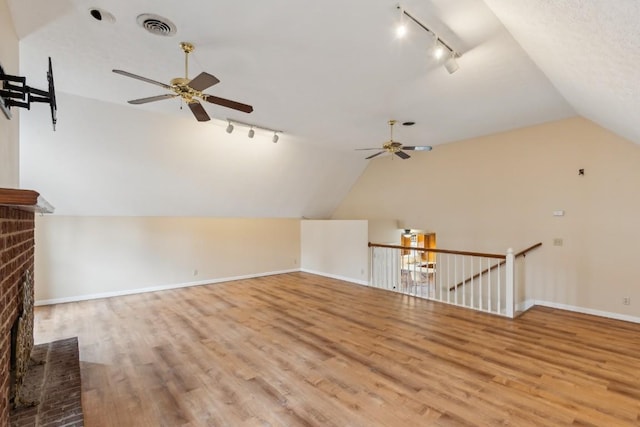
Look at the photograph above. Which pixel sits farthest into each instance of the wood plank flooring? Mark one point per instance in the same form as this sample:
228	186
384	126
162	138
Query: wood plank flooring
304	350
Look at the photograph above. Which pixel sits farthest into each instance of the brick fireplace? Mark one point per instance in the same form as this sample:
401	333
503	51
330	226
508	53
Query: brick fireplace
17	210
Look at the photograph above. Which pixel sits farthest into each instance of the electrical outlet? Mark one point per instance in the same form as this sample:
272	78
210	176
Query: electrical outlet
557	242
626	300
195	272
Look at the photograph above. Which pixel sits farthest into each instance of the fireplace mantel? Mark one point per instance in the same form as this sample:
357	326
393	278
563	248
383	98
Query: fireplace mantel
24	199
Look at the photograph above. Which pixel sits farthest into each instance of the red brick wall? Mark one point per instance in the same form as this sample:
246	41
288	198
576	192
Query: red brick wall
16	256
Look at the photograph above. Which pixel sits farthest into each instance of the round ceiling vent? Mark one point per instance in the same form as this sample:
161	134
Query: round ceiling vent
156	24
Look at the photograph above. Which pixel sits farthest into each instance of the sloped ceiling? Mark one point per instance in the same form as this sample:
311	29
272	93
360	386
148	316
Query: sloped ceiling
589	49
329	74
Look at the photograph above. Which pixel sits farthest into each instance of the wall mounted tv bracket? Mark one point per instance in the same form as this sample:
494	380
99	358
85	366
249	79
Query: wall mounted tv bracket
15	93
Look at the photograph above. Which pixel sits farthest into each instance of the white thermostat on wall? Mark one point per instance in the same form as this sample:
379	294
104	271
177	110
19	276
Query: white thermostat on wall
558	213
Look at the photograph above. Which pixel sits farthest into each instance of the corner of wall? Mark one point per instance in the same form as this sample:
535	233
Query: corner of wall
9	128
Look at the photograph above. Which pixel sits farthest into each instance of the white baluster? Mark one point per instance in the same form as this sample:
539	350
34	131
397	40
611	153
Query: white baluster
510	279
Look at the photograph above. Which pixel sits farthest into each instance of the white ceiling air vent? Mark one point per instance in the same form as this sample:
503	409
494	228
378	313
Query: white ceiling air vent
156	24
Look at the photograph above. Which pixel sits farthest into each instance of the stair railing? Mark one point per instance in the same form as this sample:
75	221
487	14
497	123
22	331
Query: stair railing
440	275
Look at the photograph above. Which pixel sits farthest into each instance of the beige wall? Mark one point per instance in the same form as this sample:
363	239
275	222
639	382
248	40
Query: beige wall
81	257
385	231
500	191
336	249
9	129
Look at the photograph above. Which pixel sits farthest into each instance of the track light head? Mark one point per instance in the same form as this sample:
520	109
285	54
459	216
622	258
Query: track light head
438	52
229	128
451	64
251	133
401	30
275	137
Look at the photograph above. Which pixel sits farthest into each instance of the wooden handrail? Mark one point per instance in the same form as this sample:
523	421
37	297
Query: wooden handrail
493	267
530	248
440	251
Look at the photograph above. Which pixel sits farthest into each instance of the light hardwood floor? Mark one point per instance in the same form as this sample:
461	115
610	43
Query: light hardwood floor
304	350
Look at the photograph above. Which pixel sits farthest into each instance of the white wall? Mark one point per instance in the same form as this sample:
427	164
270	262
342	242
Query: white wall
500	191
9	138
87	257
336	249
114	160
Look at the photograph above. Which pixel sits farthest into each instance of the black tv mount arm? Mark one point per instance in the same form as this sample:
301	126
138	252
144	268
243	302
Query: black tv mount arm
15	93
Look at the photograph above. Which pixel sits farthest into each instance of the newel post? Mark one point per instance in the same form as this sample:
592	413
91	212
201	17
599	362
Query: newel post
510	277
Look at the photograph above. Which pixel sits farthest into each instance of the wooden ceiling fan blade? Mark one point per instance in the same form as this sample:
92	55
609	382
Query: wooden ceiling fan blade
228	103
144	79
152	99
418	148
402	155
203	81
374	155
198	110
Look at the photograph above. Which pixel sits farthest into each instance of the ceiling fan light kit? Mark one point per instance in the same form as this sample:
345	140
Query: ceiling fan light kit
439	49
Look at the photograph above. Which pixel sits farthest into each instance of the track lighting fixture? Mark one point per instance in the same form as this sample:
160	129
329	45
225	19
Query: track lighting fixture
440	49
252	129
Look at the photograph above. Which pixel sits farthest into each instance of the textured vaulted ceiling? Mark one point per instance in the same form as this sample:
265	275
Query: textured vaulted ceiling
589	49
330	74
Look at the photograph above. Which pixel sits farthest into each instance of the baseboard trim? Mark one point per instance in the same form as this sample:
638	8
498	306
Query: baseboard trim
520	308
524	306
593	312
77	298
335	276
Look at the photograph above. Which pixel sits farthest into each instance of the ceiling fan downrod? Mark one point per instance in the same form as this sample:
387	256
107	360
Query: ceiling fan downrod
187	48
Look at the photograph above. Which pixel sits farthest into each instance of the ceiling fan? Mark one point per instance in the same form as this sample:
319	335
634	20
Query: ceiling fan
190	90
394	147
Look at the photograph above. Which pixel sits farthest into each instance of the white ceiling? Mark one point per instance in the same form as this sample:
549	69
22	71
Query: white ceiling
331	73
